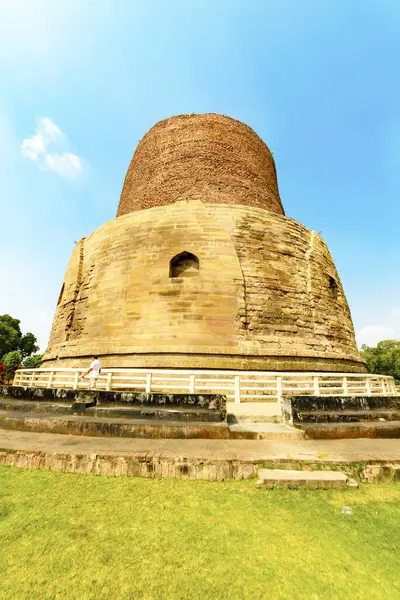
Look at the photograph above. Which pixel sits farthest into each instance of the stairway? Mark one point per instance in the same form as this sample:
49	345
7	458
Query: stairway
136	414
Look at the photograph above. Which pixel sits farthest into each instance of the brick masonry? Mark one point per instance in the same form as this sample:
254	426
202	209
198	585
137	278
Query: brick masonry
209	157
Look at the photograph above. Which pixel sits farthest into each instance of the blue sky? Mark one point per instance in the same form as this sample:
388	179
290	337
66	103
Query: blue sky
82	81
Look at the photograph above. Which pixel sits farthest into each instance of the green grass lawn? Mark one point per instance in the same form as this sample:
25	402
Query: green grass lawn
79	537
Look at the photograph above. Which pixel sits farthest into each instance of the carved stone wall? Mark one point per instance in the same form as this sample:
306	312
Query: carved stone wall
266	294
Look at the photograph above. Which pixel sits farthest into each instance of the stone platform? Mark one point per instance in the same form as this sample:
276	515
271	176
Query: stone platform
339	417
133	414
366	460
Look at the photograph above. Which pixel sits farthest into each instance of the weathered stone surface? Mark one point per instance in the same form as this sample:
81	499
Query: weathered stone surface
252	304
349	430
341	403
336	417
120	411
212	402
112	427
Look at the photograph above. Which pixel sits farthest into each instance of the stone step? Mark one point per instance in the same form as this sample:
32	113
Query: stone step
211	401
367	429
179	413
112	427
265	431
253	419
347	416
254	412
84	424
270	478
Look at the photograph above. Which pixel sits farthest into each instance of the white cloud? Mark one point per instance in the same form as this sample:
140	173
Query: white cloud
67	165
396	312
372	334
48	134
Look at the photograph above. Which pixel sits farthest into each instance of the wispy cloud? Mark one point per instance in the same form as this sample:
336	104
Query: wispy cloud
67	165
46	132
49	135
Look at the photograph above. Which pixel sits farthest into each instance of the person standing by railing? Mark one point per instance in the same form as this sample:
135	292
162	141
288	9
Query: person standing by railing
94	370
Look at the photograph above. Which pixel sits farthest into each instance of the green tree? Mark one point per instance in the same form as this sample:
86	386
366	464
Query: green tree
10	334
11	361
384	359
11	337
28	344
33	362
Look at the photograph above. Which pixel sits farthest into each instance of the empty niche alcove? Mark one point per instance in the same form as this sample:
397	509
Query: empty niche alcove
184	264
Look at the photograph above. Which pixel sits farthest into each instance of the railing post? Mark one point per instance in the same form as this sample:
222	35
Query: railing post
148	383
76	381
32	378
279	386
191	384
237	388
345	386
50	381
368	386
316	385
109	381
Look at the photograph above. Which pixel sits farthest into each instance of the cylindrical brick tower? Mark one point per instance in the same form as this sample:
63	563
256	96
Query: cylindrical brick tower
201	268
210	158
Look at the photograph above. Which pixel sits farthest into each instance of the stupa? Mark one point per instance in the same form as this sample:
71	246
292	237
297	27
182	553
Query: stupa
201	269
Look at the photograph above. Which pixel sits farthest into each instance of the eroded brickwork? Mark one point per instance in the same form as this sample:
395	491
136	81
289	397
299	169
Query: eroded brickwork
204	157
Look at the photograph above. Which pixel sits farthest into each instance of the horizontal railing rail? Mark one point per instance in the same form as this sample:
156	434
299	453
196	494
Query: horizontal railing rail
238	386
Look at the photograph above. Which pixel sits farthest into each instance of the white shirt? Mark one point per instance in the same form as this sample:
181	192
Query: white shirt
95	368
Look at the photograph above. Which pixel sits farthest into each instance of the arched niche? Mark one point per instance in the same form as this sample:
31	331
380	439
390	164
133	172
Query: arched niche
184	264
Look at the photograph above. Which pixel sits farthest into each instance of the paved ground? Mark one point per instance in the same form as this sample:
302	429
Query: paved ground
357	450
266	409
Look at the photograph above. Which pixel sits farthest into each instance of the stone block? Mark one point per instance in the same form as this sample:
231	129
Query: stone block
271	478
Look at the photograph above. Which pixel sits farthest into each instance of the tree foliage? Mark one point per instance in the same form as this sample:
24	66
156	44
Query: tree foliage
384	359
11	361
12	339
10	334
33	362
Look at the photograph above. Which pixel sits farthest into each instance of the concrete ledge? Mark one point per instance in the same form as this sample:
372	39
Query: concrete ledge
213	460
108	427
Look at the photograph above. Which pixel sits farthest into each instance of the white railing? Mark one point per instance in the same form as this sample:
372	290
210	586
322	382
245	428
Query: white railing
238	386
